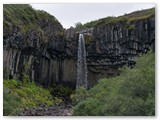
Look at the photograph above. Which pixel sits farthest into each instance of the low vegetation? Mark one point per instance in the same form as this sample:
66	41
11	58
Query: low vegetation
25	18
17	96
61	91
127	18
132	93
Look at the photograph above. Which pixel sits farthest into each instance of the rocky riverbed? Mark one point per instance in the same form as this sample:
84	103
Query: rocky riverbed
63	109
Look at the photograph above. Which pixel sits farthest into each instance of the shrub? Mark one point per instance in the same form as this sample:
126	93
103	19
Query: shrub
80	94
130	94
18	96
11	102
61	91
88	107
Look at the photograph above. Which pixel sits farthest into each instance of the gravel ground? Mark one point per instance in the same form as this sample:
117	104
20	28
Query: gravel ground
42	110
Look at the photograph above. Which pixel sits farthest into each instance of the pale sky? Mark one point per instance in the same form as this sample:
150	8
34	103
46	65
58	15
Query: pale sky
70	13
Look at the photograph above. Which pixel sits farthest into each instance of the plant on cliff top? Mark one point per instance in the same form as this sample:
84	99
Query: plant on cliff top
25	18
137	15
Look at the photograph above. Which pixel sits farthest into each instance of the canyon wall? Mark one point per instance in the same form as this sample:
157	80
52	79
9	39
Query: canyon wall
113	45
48	54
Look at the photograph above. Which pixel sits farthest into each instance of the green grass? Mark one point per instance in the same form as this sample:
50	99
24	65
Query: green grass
127	18
11	102
18	95
130	94
25	18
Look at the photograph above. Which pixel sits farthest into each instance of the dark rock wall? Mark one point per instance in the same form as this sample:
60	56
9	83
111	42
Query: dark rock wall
120	43
51	57
34	52
110	46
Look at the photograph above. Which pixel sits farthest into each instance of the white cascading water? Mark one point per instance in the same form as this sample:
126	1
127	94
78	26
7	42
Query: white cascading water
81	64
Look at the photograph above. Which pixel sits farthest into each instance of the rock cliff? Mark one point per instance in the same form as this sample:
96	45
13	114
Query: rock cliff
35	44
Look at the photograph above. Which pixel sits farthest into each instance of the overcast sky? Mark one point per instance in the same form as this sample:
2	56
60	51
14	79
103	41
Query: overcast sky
68	14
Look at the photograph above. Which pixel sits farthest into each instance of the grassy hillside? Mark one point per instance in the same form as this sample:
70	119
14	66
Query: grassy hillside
25	18
137	15
130	94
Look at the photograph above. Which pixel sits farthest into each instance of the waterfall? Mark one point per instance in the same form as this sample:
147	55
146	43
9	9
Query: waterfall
81	64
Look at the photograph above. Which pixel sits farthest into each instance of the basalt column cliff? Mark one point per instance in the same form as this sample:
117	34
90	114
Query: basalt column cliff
35	45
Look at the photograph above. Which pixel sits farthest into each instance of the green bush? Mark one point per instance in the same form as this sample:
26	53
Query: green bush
130	94
11	102
88	107
18	96
120	105
79	95
61	91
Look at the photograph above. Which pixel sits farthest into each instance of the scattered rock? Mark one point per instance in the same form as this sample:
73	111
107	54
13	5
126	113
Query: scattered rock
44	110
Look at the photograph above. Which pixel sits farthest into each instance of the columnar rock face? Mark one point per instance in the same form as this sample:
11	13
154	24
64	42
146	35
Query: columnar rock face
32	48
121	45
111	46
49	55
41	60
